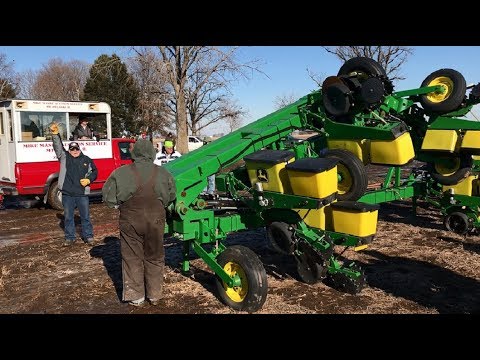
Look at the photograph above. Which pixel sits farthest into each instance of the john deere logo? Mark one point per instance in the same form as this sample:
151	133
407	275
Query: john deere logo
262	175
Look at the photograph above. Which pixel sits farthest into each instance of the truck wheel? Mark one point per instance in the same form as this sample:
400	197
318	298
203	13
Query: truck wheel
352	175
453	171
240	261
455	87
54	197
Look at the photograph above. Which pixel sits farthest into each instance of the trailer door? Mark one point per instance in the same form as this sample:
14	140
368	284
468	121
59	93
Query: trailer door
6	168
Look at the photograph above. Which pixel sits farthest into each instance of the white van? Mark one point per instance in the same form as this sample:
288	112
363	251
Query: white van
194	143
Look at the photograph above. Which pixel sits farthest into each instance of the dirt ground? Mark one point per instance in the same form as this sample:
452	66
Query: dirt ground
413	266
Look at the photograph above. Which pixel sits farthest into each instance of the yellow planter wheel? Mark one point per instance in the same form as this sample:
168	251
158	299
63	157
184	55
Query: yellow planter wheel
352	175
451	169
237	293
242	263
345	180
451	98
447	85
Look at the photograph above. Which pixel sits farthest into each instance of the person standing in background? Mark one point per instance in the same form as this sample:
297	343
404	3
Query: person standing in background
168	154
77	171
171	138
141	191
210	190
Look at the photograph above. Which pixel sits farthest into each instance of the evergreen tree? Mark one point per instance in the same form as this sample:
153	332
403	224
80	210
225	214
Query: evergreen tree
109	81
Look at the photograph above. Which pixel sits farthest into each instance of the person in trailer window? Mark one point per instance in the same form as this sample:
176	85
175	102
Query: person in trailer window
83	131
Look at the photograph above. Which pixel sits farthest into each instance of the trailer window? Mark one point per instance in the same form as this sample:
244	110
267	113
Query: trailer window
97	122
36	125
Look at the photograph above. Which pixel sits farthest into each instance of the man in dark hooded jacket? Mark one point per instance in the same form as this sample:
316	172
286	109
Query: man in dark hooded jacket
142	191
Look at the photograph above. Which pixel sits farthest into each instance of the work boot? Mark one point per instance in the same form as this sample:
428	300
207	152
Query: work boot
154	302
68	242
137	303
89	241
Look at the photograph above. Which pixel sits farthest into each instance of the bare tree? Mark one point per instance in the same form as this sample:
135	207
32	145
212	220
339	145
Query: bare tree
318	79
233	115
210	105
283	100
390	57
153	115
199	78
8	78
234	123
59	80
27	82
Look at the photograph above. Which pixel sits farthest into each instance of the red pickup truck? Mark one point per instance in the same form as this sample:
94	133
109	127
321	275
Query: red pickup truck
39	178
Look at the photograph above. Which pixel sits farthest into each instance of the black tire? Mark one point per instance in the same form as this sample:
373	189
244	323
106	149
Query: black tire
452	99
457	222
281	237
54	197
336	99
364	65
353	175
461	172
251	295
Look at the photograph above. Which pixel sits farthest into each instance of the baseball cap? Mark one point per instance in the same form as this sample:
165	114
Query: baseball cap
168	144
73	146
